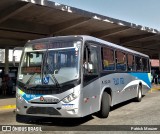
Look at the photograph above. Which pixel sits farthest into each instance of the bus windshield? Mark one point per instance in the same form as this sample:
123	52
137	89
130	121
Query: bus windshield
50	63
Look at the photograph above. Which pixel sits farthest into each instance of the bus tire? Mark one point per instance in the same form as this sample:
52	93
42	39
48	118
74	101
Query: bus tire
105	105
139	94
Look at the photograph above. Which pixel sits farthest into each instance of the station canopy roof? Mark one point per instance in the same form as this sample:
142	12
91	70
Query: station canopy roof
23	20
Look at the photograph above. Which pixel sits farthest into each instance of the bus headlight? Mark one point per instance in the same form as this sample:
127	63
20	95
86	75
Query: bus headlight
19	97
70	97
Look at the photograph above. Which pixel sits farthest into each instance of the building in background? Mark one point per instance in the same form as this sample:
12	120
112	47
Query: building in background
2	55
12	69
155	64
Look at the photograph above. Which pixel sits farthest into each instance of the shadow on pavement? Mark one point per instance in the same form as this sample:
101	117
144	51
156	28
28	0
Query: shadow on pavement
123	104
50	121
65	122
7	96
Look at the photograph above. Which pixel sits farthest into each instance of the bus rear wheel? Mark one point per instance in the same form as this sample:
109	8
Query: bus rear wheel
139	94
105	105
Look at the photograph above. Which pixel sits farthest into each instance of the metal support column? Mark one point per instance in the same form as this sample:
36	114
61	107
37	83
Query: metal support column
159	61
6	60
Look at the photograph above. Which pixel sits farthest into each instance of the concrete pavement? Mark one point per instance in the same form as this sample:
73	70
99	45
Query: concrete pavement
8	102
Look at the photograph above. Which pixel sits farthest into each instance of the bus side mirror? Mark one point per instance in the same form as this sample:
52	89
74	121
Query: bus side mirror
30	56
89	68
17	51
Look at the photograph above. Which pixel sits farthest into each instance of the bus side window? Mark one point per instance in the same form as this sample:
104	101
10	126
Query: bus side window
90	63
138	62
130	63
107	59
120	61
145	64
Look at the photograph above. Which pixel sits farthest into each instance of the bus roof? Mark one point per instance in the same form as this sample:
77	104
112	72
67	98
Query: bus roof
86	37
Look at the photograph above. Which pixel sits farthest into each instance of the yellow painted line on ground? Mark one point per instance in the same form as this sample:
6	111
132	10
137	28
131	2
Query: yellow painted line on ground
153	89
7	107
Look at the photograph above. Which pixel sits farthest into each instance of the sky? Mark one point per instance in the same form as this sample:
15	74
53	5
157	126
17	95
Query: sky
141	12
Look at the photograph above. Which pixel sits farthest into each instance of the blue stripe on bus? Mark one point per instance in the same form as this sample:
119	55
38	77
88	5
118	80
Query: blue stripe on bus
29	97
142	76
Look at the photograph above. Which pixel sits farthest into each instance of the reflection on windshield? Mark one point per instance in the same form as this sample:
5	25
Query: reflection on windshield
49	67
63	64
31	67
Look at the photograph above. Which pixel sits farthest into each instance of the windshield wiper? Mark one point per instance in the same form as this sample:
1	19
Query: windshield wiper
28	81
49	71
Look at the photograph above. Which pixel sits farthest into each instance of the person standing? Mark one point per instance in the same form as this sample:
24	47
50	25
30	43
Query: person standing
4	85
10	85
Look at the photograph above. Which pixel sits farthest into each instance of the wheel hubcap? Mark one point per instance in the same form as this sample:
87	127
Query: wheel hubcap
140	93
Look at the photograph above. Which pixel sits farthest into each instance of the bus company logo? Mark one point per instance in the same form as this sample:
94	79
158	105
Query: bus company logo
41	98
6	128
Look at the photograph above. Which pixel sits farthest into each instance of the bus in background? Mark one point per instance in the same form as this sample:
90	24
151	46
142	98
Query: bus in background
74	76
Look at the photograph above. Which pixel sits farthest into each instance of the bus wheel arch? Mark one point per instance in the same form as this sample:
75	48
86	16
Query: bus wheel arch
105	103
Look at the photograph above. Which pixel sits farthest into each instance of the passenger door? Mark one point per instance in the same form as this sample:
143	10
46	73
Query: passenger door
91	82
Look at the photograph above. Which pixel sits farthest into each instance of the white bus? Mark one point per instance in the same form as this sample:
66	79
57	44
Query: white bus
74	76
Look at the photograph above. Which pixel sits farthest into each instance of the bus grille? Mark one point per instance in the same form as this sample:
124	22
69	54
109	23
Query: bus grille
43	110
45	89
44	92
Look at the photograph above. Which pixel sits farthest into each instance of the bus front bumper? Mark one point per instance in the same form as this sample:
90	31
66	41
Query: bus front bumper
48	110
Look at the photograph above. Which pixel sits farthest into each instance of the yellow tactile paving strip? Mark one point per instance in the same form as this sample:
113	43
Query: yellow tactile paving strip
154	88
7	107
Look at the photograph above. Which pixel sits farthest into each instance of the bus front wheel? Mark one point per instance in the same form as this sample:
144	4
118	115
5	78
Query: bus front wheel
105	105
139	94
